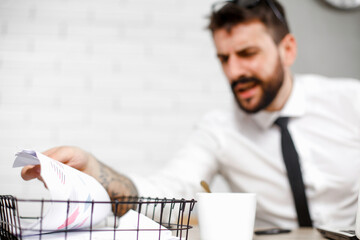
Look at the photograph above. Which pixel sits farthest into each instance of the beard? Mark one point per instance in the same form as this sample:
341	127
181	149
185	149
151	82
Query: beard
269	88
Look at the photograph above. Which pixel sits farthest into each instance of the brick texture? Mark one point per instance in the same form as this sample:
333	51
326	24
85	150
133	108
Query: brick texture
125	80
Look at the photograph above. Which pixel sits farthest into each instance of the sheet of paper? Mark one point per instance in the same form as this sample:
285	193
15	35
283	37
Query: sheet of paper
151	229
132	220
66	183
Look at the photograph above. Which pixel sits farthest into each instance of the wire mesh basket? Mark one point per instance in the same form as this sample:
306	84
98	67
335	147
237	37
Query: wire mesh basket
169	215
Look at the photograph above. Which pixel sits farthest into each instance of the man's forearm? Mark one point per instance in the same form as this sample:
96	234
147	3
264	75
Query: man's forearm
118	186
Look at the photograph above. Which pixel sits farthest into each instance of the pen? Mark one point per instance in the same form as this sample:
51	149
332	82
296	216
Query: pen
205	186
272	231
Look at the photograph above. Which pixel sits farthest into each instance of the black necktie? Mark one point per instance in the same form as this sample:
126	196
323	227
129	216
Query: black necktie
292	164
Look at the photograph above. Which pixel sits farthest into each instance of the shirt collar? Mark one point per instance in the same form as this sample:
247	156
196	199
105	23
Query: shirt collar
294	107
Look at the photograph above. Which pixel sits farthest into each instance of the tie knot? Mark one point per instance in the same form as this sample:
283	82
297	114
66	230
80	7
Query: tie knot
282	122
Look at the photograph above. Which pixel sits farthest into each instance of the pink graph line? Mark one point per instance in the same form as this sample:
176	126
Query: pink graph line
81	224
70	219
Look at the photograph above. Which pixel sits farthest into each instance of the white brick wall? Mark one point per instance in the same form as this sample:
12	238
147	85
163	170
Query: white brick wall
123	79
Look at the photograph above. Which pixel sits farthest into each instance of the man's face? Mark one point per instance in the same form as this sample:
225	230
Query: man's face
251	62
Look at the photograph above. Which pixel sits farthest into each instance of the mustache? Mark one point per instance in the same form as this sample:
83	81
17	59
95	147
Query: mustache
244	80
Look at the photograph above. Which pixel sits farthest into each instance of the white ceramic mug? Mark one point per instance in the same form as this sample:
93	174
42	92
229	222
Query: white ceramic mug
226	215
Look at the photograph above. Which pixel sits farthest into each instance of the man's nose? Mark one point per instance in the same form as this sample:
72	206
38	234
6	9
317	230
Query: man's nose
235	68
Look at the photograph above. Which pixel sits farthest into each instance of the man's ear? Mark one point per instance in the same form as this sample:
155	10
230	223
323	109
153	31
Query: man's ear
288	50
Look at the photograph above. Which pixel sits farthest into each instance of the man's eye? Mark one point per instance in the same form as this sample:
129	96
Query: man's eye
223	59
248	53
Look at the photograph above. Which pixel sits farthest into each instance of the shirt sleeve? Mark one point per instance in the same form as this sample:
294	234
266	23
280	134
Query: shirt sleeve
181	176
353	97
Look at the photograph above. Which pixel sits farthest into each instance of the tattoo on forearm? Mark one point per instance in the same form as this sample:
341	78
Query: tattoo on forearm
116	183
103	177
119	187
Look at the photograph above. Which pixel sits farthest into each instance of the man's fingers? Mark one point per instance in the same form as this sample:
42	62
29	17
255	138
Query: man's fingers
71	156
30	172
61	154
41	179
50	151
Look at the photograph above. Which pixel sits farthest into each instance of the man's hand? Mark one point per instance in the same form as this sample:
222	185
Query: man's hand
71	156
116	184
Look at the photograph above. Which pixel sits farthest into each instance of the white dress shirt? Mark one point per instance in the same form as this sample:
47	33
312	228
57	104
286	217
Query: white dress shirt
245	149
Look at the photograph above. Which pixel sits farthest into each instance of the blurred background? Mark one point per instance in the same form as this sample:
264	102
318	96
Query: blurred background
127	79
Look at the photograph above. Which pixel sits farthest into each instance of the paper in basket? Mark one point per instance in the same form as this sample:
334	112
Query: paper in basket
132	226
148	229
66	183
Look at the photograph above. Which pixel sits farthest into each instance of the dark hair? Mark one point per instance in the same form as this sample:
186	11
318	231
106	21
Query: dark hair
232	14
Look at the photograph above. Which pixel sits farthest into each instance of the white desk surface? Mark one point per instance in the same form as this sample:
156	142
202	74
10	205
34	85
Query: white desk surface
297	234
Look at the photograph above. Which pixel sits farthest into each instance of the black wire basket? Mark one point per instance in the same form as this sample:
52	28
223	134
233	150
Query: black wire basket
169	215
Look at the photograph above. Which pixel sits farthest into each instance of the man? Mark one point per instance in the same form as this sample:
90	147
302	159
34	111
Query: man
256	52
